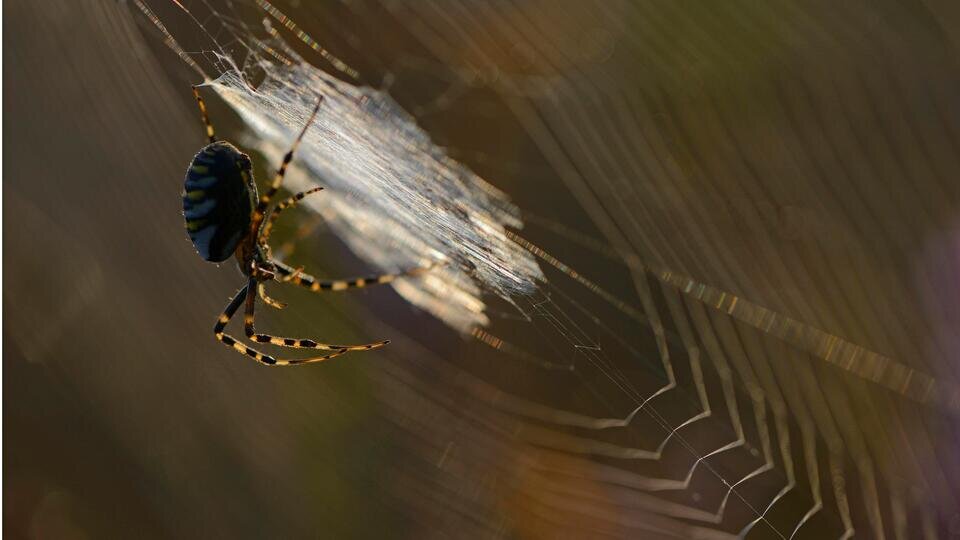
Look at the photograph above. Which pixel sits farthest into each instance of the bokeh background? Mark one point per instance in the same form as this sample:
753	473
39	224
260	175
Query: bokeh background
800	157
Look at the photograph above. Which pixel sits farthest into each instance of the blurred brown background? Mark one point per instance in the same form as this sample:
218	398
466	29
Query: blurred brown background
801	156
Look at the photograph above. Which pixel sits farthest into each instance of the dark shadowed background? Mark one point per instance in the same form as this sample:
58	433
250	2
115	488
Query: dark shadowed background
797	162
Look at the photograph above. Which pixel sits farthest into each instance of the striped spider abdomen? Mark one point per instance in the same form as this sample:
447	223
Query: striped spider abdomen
219	195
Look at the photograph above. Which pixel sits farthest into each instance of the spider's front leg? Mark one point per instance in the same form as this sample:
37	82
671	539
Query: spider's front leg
262	293
298	277
232	342
296	343
264	271
264	236
275	212
267	197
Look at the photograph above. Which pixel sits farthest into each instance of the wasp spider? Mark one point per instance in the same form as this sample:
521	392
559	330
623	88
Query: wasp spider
225	216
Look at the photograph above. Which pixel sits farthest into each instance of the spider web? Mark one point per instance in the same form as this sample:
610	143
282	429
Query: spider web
665	405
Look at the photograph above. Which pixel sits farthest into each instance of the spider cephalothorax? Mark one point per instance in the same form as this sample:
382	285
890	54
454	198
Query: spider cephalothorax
225	216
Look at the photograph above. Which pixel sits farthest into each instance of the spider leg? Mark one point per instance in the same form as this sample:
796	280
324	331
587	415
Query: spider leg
262	292
276	210
298	277
297	272
203	115
295	342
260	357
281	171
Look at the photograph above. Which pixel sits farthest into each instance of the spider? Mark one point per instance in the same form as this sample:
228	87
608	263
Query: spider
225	216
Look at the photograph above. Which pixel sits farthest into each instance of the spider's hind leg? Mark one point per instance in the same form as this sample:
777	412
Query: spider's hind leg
203	115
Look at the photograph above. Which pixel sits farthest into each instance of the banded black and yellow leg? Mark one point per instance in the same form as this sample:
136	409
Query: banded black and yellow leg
276	210
260	357
281	171
262	292
296	343
298	277
203	115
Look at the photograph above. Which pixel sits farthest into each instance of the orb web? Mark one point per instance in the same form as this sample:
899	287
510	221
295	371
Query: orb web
697	410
